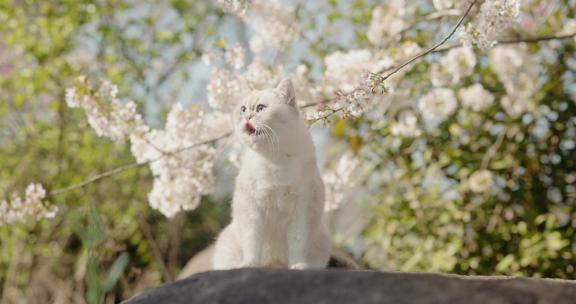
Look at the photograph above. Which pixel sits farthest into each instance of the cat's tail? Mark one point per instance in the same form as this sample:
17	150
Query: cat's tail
343	260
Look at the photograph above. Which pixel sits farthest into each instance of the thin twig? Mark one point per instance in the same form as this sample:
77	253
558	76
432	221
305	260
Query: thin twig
431	49
494	148
432	17
534	39
131	166
538	38
96	178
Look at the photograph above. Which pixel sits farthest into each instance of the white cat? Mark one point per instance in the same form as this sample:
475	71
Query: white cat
279	197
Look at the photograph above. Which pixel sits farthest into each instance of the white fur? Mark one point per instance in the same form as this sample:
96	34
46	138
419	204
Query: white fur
279	197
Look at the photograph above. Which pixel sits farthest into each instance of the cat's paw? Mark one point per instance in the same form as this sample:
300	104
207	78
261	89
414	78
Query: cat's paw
299	266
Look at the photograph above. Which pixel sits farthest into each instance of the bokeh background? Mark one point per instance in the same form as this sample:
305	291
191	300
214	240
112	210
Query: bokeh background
467	165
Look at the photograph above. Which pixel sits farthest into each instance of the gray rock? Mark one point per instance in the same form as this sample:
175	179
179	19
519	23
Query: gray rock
254	286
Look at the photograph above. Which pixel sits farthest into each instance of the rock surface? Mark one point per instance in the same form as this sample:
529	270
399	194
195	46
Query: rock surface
254	286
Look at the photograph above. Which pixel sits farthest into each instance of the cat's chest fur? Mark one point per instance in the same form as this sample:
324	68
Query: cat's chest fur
284	171
277	185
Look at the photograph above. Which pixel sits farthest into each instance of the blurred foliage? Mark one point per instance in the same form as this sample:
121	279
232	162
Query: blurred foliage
109	244
425	217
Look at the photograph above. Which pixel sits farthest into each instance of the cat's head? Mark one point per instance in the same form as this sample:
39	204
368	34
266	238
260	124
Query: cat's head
264	119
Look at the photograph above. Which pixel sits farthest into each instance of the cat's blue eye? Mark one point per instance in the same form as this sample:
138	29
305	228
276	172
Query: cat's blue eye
243	109
260	107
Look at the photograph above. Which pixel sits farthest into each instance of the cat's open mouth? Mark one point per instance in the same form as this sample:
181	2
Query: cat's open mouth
249	128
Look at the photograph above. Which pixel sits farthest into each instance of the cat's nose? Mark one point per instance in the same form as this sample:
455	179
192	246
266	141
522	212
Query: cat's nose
249	128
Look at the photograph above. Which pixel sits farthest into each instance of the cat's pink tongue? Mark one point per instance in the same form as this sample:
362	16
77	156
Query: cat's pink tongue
249	128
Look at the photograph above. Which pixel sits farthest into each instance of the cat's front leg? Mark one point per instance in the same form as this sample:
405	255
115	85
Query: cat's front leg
252	239
298	240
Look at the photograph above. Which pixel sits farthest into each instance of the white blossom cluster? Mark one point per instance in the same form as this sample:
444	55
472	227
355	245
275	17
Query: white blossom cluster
569	27
356	77
443	4
455	65
438	104
223	88
226	86
180	162
355	102
517	70
32	205
387	23
481	181
406	125
339	180
235	6
178	157
260	75
236	56
394	56
495	17
273	25
306	91
344	70
106	114
475	97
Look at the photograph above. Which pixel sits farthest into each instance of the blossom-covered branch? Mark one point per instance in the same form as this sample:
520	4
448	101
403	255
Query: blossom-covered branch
531	39
181	155
129	166
376	82
125	112
434	47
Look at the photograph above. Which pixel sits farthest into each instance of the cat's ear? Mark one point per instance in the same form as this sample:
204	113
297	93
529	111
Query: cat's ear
286	90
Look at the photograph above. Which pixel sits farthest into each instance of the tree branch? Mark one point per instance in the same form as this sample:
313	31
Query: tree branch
438	47
434	47
446	47
431	17
95	178
396	69
534	39
123	168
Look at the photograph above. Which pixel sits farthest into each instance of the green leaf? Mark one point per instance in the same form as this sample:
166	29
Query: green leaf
115	272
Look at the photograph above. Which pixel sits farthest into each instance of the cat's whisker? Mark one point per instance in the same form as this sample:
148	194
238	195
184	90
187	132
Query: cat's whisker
275	137
269	136
262	129
273	140
268	139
